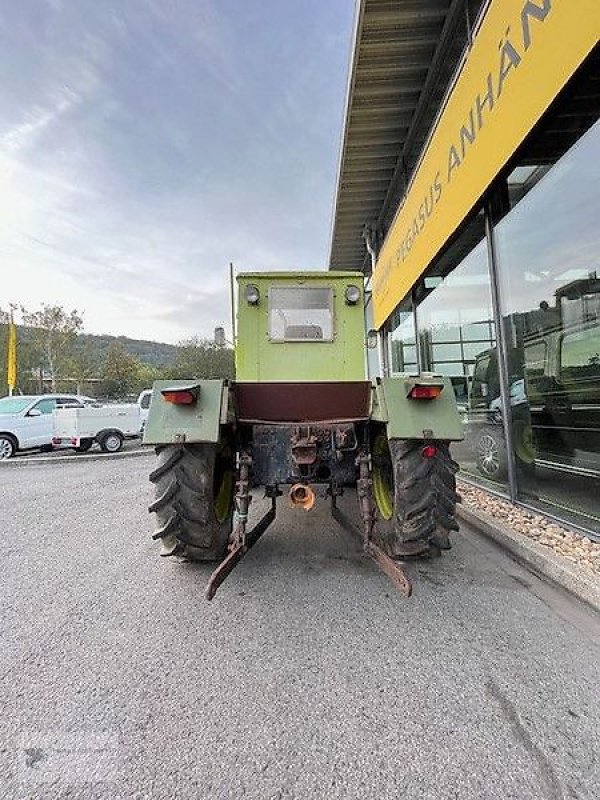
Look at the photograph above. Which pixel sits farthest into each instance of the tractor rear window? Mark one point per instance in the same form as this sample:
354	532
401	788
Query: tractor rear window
301	314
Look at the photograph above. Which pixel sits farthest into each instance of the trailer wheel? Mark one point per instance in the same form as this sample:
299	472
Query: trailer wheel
415	496
193	489
110	442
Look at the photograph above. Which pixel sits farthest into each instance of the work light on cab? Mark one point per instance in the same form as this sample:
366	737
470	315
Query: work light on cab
252	294
352	294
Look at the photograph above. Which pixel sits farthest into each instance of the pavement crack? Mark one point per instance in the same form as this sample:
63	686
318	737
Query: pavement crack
548	775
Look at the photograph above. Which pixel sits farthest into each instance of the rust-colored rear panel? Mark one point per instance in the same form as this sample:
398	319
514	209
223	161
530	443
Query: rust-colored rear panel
302	402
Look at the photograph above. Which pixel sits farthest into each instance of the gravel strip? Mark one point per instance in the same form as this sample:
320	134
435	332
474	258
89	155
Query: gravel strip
578	549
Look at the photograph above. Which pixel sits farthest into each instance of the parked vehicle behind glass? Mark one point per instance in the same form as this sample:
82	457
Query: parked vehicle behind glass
555	403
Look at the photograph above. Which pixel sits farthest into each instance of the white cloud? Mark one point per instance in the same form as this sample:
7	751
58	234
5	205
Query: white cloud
142	154
24	133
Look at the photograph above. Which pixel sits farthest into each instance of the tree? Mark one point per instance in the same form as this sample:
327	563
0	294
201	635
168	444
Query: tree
202	358
52	336
120	372
83	364
147	374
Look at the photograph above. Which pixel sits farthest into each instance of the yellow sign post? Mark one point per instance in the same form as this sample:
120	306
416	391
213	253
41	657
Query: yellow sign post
11	369
523	54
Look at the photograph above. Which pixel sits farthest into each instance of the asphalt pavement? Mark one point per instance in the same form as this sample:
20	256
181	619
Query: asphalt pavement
308	676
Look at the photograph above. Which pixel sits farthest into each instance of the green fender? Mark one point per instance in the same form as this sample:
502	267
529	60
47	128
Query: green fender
407	418
177	424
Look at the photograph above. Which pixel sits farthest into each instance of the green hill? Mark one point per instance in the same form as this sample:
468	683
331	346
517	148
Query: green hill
86	365
155	354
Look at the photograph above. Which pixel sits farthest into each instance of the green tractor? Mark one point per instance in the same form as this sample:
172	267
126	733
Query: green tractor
302	413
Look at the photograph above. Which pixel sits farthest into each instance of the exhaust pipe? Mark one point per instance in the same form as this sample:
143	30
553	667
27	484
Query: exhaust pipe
302	496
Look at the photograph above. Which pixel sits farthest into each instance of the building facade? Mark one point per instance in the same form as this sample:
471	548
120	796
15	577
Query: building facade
485	230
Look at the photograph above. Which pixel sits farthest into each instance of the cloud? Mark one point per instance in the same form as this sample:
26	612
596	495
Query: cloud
23	134
145	145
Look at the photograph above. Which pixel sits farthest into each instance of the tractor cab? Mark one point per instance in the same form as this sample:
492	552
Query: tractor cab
300	327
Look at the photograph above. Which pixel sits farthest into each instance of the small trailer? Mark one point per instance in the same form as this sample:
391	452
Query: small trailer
108	426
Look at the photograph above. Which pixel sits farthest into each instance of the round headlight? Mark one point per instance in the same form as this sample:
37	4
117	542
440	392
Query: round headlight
252	294
352	295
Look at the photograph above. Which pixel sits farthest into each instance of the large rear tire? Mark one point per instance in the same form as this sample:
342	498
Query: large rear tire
193	500
415	497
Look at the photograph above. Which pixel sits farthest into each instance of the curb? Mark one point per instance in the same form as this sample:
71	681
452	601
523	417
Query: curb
23	461
538	559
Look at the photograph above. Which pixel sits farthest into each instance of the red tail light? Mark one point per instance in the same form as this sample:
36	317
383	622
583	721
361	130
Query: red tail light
183	397
429	451
420	392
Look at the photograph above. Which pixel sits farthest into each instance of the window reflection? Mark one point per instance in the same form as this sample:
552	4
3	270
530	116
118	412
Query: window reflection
403	349
548	250
547	268
457	338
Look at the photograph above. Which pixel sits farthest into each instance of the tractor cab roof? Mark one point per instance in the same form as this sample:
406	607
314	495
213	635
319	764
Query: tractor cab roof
291	275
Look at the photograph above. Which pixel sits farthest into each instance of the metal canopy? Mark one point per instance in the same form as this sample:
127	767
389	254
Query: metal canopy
405	53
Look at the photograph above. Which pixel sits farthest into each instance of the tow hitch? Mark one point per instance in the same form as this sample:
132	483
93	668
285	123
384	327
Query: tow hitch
243	540
367	511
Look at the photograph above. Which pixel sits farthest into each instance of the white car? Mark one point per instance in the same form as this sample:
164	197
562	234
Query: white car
26	420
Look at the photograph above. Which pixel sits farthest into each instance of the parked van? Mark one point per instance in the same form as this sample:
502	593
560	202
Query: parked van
143	402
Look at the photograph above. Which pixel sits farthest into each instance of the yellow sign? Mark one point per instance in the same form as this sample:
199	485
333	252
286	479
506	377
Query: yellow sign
11	376
523	54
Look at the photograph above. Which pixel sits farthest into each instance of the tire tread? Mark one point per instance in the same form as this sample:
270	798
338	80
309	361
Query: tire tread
184	502
425	499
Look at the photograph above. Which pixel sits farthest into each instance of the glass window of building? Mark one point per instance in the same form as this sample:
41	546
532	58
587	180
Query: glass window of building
548	261
402	340
457	338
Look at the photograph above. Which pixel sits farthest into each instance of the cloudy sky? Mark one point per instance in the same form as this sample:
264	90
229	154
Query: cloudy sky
144	144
